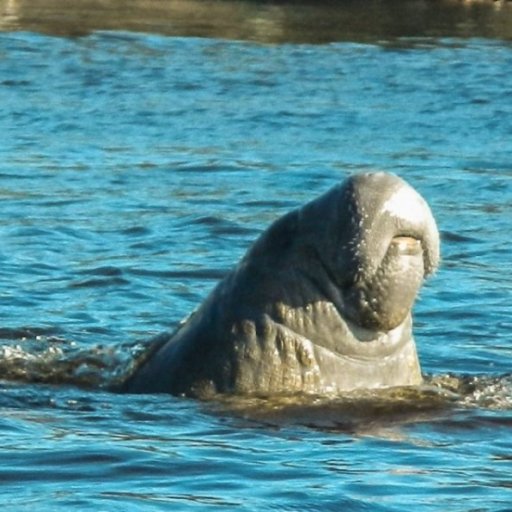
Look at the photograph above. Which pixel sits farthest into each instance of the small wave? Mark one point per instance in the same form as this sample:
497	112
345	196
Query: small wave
100	282
103	271
50	360
485	391
450	236
22	333
213	274
136	231
102	276
219	226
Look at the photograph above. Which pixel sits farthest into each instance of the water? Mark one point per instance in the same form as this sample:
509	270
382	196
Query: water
136	169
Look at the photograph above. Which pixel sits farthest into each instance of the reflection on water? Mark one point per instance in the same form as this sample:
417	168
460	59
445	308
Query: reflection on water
289	21
376	411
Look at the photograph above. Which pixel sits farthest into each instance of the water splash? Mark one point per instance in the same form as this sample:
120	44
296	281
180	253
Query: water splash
486	391
53	360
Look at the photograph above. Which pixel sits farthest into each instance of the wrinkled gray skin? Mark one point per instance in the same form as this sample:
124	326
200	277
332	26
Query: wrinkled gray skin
321	303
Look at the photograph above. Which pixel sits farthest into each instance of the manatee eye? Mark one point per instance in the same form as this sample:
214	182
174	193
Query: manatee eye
405	246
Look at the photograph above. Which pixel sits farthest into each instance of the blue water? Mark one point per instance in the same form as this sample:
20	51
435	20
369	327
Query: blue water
136	169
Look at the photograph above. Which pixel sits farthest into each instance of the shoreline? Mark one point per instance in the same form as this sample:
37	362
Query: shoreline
266	22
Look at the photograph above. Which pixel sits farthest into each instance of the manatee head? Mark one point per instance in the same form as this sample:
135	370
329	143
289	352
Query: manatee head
377	246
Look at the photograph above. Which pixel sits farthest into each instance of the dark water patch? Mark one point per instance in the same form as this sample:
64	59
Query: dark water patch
103	271
472	420
271	205
60	203
100	283
106	276
22	333
222	227
69	466
188	500
311	504
206	167
137	231
15	83
458	237
202	274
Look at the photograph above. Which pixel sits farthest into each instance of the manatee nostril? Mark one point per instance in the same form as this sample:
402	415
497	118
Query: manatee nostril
406	246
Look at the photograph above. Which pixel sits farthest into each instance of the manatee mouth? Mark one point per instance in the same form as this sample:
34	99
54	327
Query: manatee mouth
383	300
406	245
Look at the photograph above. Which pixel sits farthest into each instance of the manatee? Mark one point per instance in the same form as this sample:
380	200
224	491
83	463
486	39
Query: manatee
320	303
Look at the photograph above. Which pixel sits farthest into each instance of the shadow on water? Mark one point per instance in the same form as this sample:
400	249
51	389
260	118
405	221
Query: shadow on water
442	398
266	21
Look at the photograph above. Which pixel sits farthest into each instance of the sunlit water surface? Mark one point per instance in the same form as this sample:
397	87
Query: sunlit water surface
134	172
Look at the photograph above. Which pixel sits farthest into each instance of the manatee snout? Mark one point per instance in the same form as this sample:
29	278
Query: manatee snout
383	301
398	246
